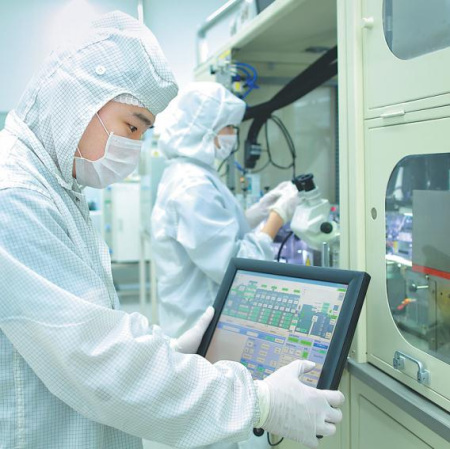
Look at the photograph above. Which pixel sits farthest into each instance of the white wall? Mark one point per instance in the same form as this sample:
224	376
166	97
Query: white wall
175	24
29	29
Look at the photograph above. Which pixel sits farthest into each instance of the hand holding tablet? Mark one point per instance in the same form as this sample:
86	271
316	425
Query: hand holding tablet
298	411
276	318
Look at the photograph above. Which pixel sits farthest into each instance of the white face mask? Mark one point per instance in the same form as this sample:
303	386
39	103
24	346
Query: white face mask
227	143
120	159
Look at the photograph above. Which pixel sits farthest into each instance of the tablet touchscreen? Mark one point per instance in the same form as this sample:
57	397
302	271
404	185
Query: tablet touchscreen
266	320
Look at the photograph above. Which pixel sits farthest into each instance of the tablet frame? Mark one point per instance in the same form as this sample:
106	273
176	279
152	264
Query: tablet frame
357	281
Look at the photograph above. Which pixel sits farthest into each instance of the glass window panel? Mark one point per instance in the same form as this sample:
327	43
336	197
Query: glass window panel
414	28
2	119
418	251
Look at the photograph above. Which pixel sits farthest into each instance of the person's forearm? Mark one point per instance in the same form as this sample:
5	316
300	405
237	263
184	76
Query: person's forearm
273	225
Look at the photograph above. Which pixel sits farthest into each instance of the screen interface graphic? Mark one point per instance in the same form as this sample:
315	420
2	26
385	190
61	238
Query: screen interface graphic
269	321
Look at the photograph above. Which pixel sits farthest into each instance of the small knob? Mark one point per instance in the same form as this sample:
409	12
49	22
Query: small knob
367	22
326	227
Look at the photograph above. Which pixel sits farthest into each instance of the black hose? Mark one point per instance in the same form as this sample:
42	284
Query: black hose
312	75
286	238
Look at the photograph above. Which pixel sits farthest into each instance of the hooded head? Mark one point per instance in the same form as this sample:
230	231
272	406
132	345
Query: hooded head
117	58
195	117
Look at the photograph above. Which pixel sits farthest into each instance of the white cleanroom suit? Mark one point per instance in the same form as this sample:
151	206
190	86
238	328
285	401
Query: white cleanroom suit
197	224
75	371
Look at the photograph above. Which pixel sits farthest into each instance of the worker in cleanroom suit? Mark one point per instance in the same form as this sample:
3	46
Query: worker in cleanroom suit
197	224
75	371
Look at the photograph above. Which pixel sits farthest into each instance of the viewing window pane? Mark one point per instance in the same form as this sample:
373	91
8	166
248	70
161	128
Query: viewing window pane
414	28
418	251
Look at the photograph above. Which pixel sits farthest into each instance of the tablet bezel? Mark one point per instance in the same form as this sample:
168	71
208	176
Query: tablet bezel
357	281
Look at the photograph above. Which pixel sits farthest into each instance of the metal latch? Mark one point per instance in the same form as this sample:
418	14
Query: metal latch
423	375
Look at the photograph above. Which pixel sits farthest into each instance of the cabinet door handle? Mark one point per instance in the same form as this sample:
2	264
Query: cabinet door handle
389	114
423	375
414	287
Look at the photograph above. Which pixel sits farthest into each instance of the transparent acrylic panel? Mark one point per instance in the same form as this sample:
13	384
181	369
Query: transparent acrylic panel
418	27
418	251
2	119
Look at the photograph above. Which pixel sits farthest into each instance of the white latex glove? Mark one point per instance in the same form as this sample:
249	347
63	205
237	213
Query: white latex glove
260	210
286	204
297	411
189	342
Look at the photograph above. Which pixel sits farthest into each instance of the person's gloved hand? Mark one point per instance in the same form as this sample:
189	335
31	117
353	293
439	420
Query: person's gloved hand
260	210
189	342
285	206
297	411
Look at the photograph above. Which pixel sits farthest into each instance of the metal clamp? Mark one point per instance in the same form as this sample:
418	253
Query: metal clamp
423	375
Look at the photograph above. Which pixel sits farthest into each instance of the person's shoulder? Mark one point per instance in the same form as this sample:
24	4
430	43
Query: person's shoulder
186	176
21	169
189	167
26	211
21	199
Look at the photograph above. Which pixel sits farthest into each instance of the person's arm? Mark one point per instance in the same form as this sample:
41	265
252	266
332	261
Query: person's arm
209	231
107	365
272	225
